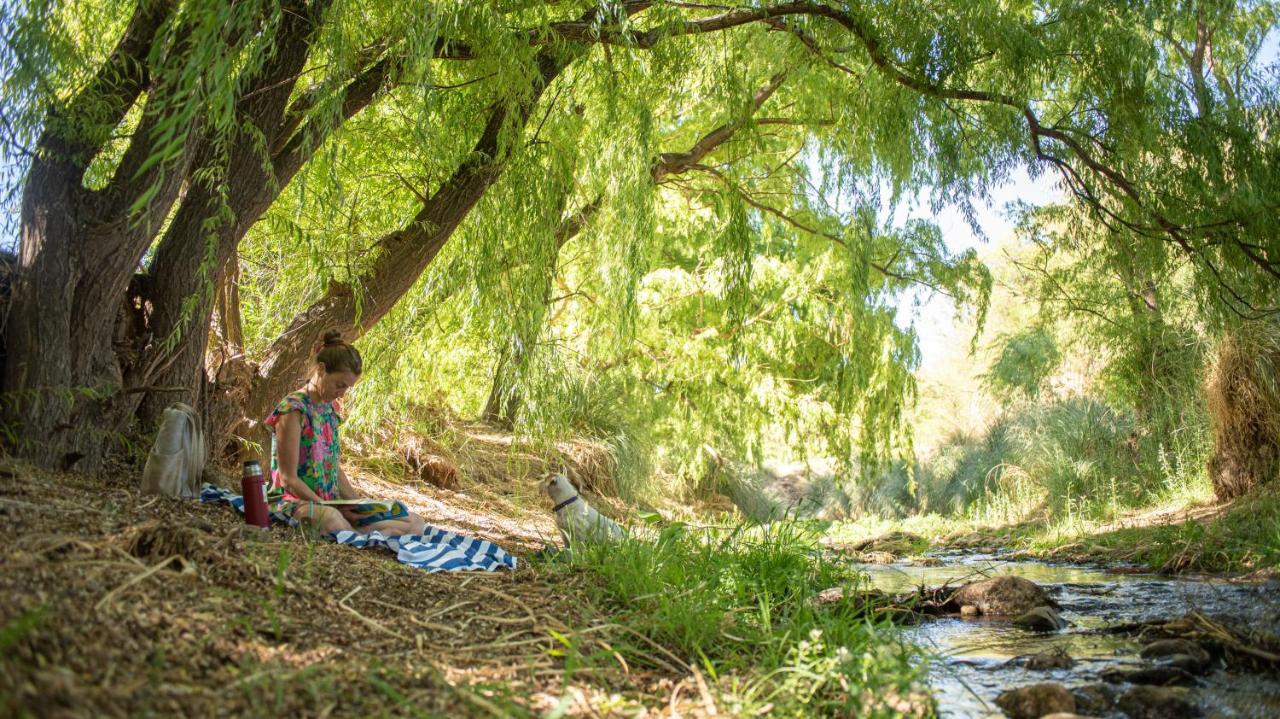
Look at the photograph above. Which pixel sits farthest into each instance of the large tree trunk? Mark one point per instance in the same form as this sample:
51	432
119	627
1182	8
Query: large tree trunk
38	338
200	244
192	258
74	263
213	218
228	326
86	332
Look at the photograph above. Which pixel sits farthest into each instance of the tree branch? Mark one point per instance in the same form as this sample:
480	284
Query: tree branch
77	132
675	163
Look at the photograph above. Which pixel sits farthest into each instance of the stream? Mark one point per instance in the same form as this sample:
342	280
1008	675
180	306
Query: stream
970	666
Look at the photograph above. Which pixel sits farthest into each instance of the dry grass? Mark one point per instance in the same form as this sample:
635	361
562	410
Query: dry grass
114	603
1244	404
494	477
479	462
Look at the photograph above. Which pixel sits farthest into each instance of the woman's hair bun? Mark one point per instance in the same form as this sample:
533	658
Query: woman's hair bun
336	355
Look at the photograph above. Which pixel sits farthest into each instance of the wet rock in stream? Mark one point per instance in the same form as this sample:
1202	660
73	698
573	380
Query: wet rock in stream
1003	596
1057	658
1170	647
1181	653
1095	698
1188	664
1036	700
1041	619
1160	676
1144	702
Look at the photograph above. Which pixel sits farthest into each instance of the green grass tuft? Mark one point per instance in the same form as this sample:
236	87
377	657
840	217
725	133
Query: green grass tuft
738	605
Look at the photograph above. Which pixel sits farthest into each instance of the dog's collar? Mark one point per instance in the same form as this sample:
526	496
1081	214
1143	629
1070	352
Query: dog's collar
565	503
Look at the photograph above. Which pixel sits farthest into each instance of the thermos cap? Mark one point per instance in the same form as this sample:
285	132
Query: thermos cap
251	467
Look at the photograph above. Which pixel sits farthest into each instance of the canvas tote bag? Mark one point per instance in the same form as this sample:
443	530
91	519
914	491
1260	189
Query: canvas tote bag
176	462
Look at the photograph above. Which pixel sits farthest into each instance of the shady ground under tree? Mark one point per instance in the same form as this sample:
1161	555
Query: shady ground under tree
661	231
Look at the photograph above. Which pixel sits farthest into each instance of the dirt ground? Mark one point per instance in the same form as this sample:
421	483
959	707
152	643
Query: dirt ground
114	603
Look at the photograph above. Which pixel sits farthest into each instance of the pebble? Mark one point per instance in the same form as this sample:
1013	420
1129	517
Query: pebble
1041	619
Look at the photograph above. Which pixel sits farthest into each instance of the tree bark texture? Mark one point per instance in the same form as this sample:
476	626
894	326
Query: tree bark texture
59	330
191	255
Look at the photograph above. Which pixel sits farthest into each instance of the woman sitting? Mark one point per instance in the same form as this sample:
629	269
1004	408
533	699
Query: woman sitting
305	451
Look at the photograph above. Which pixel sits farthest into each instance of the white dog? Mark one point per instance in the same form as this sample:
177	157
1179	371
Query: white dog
576	519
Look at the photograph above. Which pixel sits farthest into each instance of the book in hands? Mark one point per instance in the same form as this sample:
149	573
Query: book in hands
362	506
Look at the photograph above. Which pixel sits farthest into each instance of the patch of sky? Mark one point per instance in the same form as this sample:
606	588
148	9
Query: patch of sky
935	317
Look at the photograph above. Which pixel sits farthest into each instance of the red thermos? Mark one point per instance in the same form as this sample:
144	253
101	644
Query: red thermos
254	491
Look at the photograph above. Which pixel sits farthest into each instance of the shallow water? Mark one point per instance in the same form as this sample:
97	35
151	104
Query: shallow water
970	666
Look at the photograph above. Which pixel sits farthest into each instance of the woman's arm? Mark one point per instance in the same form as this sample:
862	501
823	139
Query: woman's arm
288	443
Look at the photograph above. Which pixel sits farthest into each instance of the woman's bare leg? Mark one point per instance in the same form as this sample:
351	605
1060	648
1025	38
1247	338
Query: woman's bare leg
412	524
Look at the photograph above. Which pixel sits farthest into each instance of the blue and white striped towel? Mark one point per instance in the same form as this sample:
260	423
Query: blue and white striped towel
435	550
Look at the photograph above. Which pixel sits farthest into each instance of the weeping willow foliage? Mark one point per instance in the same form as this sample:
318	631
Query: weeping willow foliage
733	306
52	50
1210	155
689	309
684	238
1190	120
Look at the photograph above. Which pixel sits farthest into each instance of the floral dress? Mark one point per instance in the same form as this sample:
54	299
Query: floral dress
318	452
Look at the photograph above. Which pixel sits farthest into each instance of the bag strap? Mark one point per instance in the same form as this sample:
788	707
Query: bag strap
192	446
